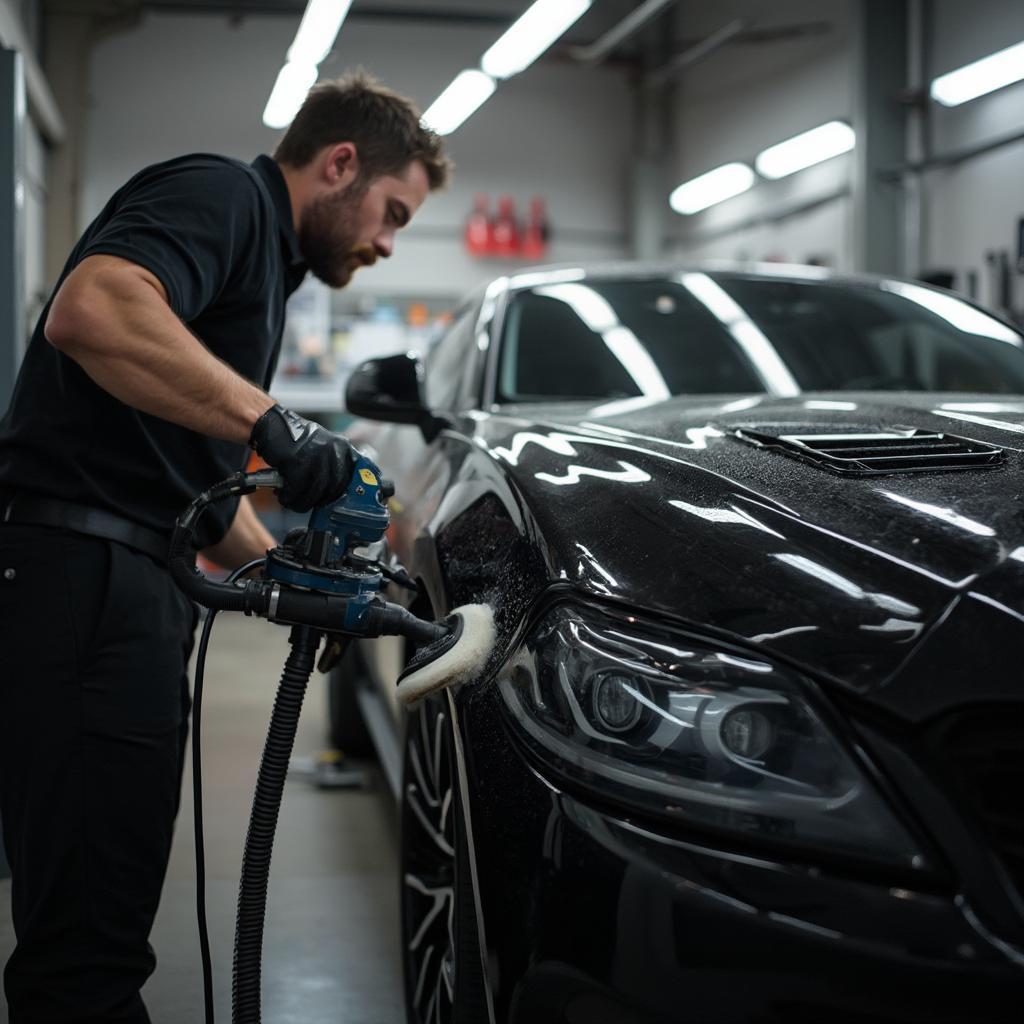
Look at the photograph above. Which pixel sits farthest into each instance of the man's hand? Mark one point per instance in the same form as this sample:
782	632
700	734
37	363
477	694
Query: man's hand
316	464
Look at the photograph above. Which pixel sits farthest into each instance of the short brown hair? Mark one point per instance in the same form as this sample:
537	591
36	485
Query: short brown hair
384	126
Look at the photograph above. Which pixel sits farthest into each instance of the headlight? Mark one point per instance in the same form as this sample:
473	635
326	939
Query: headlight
677	727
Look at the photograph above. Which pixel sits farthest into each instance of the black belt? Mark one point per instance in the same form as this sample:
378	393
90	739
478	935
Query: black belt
95	522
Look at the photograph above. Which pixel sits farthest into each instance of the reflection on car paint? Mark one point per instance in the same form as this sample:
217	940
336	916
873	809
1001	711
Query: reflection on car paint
912	629
1013	428
846	586
593	563
791	631
725	515
574	474
698	436
947	515
992	602
838	406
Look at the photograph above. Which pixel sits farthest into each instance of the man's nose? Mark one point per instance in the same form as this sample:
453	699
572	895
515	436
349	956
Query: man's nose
384	244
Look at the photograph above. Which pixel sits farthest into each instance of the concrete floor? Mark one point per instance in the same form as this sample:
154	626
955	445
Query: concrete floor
331	945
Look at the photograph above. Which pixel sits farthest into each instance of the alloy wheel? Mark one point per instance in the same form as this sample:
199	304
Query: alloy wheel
429	865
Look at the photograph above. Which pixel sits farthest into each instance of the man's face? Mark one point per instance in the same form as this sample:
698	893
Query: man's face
350	227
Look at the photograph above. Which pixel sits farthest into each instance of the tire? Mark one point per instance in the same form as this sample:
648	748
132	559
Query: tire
348	732
444	982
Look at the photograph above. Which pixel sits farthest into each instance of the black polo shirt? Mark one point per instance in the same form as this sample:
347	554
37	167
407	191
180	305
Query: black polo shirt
218	234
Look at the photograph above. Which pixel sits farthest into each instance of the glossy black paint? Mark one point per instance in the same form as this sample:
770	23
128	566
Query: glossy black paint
596	908
901	597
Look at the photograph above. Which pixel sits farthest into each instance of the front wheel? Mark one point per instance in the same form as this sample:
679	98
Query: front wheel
444	981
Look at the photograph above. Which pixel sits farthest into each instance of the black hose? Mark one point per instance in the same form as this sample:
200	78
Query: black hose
181	556
259	842
197	795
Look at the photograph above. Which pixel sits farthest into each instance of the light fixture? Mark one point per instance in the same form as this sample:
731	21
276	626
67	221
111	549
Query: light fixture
294	80
980	77
467	91
713	187
313	41
530	35
805	150
318	30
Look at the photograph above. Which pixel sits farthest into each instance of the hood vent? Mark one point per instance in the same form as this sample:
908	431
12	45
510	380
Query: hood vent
895	451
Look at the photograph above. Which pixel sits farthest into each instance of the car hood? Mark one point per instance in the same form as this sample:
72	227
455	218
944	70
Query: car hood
662	507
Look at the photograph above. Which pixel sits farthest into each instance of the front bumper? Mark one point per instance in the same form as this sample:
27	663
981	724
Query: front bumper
591	916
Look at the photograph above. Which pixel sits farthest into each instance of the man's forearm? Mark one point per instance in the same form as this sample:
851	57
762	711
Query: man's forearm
247	538
113	319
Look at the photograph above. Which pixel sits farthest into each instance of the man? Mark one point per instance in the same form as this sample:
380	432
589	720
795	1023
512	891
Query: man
143	384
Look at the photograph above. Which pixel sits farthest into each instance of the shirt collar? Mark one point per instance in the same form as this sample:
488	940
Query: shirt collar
272	177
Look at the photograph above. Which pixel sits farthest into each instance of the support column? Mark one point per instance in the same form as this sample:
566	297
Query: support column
13	329
70	39
879	119
652	137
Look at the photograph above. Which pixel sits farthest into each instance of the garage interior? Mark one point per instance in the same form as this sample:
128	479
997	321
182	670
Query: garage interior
605	149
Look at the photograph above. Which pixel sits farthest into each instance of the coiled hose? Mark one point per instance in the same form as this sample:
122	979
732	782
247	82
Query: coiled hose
259	842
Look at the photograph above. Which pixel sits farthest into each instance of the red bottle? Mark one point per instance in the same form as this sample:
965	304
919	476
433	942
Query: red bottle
507	241
538	232
479	233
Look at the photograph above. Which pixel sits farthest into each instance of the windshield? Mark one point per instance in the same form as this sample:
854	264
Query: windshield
719	333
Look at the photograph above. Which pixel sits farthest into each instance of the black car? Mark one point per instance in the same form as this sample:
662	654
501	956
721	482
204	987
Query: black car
750	746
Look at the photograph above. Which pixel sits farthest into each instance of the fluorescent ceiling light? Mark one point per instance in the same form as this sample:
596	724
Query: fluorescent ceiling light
983	76
531	35
318	30
714	187
465	94
805	150
293	82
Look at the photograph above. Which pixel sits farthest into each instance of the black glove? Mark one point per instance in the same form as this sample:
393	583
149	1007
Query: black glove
316	464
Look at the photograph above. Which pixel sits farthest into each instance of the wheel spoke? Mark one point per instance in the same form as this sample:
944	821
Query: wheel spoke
439	724
446	806
442	844
417	767
423	974
440	896
430	828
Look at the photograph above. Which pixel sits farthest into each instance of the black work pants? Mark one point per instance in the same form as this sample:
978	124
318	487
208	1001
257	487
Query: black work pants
94	709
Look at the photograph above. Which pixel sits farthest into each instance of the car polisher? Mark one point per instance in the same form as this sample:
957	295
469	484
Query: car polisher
322	582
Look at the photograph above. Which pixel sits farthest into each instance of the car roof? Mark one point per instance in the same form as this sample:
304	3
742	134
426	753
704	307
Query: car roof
530	277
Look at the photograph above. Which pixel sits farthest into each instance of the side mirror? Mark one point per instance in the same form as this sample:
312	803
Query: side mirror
390	389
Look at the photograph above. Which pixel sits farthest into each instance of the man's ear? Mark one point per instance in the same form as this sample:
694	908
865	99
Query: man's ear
341	166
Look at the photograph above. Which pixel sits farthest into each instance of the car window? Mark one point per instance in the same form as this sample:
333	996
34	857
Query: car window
858	338
447	361
621	340
731	334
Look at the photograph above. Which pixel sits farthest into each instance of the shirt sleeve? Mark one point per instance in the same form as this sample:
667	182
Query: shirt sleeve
196	227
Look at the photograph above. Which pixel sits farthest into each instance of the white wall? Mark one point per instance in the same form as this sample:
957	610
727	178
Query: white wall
558	131
972	207
746	97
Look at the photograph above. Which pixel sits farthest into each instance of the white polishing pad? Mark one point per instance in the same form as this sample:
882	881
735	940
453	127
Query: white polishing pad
459	663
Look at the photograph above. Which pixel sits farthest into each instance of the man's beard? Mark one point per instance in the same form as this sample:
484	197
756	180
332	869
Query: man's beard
328	234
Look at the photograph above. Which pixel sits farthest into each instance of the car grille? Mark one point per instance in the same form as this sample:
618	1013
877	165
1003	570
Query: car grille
983	752
870	454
